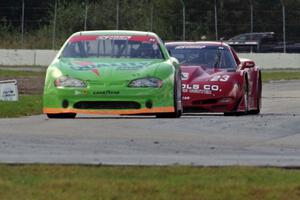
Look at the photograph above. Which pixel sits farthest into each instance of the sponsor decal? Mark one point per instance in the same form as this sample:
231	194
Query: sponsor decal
114	37
95	71
94	67
138	38
186	98
211	87
85	92
106	92
184	76
190	47
132	66
78	38
152	40
76	92
200	89
80	92
85	66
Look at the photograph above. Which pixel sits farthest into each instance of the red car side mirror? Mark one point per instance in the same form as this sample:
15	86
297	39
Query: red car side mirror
247	64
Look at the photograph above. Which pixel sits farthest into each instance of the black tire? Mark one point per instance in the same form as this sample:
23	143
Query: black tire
258	99
233	113
246	97
61	116
177	100
257	110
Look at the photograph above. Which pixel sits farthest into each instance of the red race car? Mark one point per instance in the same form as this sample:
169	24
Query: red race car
215	79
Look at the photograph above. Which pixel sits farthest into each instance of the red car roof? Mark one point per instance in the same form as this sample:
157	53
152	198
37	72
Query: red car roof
206	43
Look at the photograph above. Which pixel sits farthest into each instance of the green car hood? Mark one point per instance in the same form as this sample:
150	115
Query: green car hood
108	69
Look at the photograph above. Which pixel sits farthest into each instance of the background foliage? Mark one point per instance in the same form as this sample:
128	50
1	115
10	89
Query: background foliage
233	19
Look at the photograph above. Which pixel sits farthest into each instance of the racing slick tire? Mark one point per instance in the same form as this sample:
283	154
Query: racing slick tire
246	99
177	101
61	116
258	99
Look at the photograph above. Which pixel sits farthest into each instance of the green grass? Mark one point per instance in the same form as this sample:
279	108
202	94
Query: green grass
280	75
14	73
27	105
176	182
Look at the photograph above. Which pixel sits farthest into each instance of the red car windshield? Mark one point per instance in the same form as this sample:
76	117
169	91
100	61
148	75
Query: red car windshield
114	46
205	56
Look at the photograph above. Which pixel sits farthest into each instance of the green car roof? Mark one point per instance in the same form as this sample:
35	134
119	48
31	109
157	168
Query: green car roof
115	32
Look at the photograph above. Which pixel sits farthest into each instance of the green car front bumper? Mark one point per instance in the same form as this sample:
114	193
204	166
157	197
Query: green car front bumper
115	100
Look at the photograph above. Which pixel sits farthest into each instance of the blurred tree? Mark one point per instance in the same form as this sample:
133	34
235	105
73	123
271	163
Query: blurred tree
234	17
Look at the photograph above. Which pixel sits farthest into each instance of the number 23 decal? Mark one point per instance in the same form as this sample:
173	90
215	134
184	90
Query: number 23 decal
222	78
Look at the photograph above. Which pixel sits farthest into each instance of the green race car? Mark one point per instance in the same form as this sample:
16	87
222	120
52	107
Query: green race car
113	72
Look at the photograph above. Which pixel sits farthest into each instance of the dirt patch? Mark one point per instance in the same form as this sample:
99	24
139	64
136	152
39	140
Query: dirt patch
28	84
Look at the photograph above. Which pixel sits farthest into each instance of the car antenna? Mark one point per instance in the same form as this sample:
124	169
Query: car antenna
217	63
222	40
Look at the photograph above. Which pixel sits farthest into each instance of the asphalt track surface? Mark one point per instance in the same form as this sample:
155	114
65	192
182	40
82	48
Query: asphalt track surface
269	139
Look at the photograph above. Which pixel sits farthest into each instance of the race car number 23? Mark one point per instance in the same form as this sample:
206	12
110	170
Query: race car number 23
222	78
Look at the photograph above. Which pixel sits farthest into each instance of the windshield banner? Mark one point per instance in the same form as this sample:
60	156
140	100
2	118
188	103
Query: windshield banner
136	38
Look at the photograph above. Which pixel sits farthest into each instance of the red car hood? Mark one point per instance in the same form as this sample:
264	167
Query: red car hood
210	81
198	73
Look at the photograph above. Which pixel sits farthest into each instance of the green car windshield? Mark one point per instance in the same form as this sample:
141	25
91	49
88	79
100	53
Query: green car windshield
112	46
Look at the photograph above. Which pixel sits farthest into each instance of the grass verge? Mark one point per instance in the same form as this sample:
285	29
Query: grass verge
14	73
121	182
276	75
27	105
